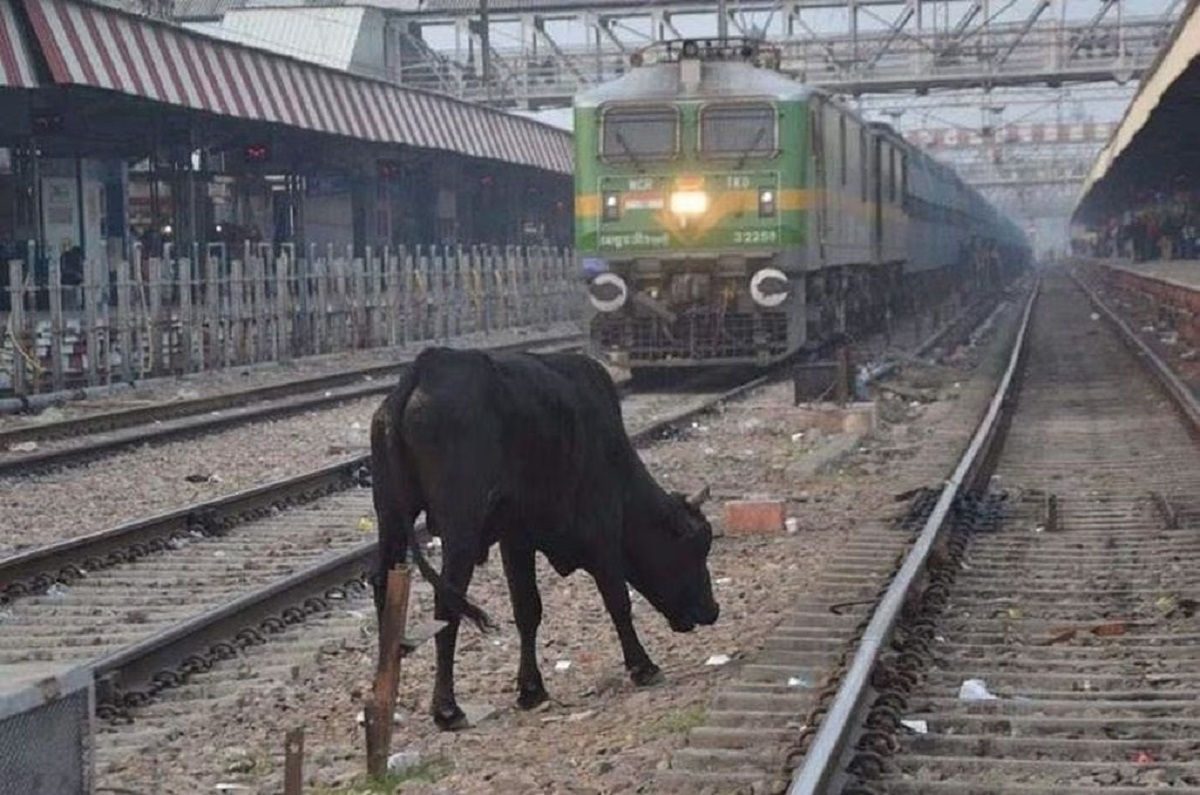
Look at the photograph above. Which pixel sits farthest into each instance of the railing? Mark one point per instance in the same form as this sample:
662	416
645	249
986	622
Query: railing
170	316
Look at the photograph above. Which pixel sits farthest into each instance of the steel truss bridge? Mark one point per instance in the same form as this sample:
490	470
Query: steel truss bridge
538	53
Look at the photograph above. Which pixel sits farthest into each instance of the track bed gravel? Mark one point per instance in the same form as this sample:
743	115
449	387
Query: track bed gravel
235	379
1083	628
155	478
599	734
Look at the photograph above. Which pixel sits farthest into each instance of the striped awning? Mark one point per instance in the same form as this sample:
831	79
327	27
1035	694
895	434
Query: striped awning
16	66
99	47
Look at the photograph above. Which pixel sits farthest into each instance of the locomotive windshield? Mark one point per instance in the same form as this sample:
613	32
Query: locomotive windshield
744	129
641	133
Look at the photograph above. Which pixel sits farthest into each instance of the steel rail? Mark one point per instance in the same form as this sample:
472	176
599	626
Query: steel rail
1182	396
37	569
162	412
823	760
142	664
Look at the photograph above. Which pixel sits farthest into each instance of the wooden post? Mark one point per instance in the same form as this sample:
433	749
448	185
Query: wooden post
186	339
157	332
125	318
92	290
293	762
218	334
16	322
378	710
56	324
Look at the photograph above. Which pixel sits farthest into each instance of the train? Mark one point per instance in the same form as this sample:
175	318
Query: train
726	214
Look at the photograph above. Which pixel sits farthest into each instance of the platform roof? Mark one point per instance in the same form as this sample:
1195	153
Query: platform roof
1155	146
81	44
16	61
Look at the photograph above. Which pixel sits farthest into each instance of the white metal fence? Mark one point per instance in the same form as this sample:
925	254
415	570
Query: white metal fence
181	315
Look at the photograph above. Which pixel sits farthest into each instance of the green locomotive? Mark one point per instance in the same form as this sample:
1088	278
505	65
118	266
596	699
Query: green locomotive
726	214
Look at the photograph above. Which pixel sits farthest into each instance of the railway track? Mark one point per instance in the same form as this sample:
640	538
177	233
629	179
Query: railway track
1043	631
225	575
72	441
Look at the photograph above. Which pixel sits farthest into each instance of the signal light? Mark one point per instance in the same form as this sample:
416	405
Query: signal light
47	122
256	153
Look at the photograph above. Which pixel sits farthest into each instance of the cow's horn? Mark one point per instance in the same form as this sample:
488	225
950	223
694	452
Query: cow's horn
699	498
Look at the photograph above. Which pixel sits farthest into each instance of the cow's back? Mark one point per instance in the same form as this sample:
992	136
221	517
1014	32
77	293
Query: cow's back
536	429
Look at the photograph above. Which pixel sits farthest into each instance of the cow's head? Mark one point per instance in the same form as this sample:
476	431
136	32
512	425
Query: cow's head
670	562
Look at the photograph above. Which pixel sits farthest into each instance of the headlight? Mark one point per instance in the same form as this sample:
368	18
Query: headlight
689	202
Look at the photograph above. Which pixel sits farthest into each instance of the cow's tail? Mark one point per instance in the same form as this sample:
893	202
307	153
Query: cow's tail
397	494
458	602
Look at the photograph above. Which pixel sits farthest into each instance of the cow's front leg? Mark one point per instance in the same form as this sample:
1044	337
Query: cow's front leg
457	568
615	594
521	573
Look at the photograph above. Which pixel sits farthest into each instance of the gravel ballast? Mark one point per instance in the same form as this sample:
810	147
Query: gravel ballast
599	734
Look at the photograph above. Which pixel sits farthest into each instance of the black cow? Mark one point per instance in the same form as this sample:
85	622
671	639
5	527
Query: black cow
530	451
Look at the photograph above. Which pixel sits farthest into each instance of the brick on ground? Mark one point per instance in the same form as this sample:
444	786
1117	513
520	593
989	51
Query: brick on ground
759	516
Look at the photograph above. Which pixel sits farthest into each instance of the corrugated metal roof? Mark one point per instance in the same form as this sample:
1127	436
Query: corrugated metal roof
202	9
16	65
325	36
88	45
1174	60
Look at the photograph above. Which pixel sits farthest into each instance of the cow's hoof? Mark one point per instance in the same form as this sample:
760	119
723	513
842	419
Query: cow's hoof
647	675
451	720
533	697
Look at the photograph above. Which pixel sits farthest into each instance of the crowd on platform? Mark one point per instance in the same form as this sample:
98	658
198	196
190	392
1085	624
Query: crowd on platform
1161	231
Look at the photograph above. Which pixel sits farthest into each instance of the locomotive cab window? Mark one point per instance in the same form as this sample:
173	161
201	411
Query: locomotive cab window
639	133
743	129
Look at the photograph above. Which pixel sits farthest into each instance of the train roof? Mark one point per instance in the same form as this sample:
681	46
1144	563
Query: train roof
661	81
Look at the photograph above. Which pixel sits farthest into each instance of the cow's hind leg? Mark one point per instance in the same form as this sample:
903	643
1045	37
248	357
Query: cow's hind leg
521	572
615	594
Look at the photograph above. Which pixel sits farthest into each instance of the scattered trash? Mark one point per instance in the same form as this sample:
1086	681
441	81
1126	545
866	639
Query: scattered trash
230	787
434	543
792	524
798	437
562	665
1095	316
356	426
1111	629
717	659
798	681
361	718
23	447
722	580
1143	758
918	726
220	553
575	717
187	394
57	591
1061	636
200	477
328	393
365	524
403	760
975	690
